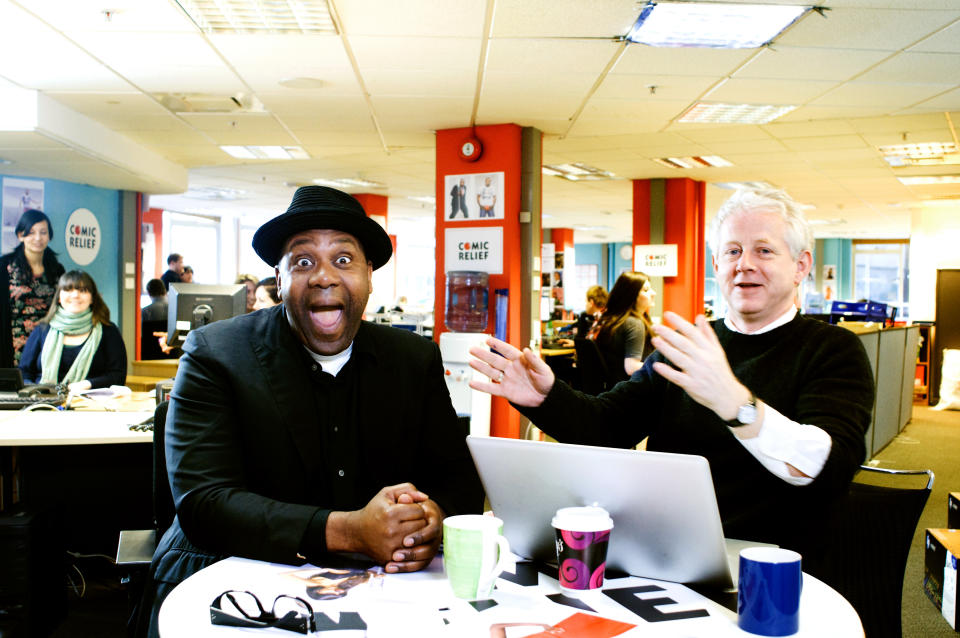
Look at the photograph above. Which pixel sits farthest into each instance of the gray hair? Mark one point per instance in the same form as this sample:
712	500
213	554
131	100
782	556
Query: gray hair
768	200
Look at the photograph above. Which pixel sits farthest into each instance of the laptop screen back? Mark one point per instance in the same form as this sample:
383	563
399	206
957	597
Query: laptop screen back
666	522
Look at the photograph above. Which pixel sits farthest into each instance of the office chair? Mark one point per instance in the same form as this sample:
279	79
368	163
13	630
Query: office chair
136	547
868	553
594	376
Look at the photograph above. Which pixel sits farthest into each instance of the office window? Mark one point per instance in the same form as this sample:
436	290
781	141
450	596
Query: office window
881	272
197	238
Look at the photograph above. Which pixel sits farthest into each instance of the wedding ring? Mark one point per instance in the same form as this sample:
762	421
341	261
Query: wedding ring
499	378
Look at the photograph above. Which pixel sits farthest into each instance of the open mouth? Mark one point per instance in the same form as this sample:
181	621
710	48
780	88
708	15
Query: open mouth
326	317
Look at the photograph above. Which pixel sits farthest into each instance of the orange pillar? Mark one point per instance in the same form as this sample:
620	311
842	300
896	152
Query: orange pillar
500	159
376	207
562	238
671	211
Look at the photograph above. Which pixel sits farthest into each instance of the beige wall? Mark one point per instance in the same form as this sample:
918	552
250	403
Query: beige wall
934	243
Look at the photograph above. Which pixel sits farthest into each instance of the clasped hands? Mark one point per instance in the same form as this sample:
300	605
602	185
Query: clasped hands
400	528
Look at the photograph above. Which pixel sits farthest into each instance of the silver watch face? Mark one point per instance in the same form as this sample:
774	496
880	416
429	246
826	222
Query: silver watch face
747	413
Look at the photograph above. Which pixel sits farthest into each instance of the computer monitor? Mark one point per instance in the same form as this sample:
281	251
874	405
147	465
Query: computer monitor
193	305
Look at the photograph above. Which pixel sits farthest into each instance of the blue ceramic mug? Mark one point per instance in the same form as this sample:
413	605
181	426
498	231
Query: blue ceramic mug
768	596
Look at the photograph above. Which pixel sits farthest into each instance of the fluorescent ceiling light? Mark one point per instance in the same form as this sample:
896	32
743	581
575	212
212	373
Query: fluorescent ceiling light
732	186
923	180
349	182
577	171
711	161
260	16
919	151
586	227
215	193
20	111
718	113
424	200
706	24
266	152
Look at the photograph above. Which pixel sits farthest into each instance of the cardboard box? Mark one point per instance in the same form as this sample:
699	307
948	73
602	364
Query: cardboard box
940	571
953	510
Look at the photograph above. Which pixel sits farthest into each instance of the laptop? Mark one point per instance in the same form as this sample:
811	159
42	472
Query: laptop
15	396
664	509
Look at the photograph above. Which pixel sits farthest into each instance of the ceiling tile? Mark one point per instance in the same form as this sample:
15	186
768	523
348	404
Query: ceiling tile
808	63
756	91
550	18
697	61
865	28
425	18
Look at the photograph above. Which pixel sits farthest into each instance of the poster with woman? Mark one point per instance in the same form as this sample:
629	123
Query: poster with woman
18	195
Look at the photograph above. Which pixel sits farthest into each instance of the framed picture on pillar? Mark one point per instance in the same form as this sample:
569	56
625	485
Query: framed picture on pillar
473	196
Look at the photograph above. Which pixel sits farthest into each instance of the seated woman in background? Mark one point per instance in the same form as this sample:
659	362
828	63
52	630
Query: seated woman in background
596	304
623	331
76	344
266	294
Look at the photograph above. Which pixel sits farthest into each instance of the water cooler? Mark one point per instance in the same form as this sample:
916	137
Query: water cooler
466	318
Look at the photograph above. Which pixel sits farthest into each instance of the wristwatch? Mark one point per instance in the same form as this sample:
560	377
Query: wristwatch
746	413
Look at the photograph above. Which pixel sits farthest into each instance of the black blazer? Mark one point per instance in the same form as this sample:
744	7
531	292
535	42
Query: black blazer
242	438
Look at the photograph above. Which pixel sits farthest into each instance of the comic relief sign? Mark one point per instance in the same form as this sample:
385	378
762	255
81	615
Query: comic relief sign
656	260
474	249
82	236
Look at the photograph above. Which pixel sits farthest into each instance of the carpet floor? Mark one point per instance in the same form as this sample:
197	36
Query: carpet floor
931	440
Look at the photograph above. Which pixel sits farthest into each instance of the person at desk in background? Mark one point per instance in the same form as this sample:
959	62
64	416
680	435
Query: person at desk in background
300	432
596	304
266	294
75	343
623	332
28	280
156	310
778	403
251	283
174	270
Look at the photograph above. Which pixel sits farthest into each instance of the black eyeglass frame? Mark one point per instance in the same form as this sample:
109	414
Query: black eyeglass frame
300	622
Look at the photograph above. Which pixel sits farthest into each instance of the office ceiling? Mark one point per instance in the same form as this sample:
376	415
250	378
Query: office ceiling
866	73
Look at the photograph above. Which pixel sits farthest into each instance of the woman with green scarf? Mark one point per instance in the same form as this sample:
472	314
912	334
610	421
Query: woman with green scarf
76	344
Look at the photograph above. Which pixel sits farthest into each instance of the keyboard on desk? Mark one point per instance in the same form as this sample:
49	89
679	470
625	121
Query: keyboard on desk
14	401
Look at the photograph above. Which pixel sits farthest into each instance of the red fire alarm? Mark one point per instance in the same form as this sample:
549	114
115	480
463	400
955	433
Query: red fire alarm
471	149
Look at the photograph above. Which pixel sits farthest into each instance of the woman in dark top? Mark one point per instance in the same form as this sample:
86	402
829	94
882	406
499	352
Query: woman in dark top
75	343
623	331
28	278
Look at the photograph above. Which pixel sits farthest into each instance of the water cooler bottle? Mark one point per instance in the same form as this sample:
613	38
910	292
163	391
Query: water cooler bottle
466	318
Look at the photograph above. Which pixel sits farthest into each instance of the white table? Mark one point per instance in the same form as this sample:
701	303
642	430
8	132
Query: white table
68	427
422	605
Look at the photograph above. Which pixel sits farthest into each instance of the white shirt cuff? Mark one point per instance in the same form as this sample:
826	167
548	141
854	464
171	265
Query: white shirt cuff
782	441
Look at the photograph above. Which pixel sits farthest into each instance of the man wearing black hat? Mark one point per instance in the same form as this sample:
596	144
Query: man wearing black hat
300	431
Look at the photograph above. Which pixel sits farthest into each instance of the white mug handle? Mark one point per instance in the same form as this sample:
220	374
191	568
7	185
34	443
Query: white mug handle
485	584
504	549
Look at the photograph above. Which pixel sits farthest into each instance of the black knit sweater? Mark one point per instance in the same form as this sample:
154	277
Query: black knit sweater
809	371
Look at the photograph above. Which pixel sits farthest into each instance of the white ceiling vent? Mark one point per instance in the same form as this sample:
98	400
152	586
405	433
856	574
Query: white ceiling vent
206	103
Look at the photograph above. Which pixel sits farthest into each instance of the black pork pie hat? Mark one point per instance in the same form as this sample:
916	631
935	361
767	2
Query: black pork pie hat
324	208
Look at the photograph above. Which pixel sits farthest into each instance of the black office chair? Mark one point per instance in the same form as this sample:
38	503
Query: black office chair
593	373
135	548
867	554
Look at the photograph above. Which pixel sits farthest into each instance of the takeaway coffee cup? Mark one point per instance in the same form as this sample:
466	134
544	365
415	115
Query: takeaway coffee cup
768	597
582	537
474	552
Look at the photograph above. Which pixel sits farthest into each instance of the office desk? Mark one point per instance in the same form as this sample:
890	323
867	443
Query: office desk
421	605
556	352
87	465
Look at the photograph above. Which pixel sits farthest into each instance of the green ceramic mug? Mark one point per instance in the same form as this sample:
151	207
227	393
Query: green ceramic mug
474	553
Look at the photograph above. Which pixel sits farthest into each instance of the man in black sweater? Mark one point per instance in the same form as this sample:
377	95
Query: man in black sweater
777	402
